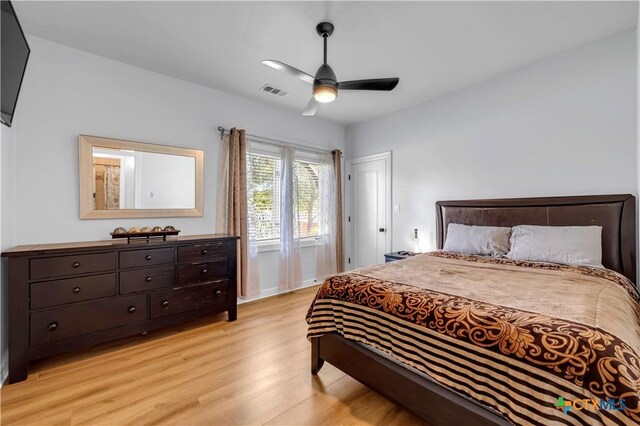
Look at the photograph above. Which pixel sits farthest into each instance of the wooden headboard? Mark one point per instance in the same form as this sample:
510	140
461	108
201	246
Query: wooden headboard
615	213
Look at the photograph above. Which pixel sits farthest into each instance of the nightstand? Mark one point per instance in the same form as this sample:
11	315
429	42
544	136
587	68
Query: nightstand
398	255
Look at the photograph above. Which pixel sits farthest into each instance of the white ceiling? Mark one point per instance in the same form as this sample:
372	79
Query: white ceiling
434	47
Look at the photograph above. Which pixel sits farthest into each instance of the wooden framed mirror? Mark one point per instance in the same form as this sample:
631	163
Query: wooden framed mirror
125	179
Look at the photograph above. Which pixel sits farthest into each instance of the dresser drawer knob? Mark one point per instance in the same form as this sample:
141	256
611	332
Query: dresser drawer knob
205	271
76	290
165	303
76	264
148	257
204	252
218	292
131	309
52	326
148	279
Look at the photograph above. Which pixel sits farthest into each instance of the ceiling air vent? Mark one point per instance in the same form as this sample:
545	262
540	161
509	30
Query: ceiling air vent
268	88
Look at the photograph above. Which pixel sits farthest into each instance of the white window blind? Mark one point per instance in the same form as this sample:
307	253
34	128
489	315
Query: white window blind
264	166
307	197
264	196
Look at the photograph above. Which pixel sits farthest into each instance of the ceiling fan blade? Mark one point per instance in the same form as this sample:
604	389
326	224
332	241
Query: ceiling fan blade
372	84
281	66
311	108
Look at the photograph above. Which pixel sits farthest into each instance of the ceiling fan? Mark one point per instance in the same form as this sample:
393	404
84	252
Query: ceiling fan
325	84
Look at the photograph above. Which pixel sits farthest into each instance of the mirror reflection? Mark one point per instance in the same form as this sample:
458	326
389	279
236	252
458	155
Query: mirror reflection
127	179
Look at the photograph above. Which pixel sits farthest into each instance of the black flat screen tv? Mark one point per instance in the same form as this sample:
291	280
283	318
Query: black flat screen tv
14	55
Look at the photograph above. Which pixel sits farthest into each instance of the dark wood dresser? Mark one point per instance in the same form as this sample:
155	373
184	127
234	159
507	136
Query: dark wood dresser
64	297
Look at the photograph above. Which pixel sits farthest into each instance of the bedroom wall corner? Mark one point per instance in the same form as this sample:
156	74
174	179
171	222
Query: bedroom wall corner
562	125
7	235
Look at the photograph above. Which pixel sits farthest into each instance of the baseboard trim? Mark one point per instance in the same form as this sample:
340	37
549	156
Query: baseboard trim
275	291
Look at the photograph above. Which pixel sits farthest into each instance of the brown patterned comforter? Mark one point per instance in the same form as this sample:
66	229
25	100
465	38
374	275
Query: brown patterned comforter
539	343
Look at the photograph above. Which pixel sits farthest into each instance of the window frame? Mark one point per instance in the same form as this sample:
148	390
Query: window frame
270	150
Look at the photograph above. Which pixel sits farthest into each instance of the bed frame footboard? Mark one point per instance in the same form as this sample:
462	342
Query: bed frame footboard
427	399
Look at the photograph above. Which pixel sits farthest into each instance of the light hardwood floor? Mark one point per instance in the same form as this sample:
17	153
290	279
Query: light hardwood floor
255	370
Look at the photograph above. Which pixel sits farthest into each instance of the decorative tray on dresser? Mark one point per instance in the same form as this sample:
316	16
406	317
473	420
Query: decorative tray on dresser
63	297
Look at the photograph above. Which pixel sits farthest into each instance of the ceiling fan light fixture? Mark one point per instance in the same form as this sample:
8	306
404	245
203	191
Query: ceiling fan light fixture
325	84
325	93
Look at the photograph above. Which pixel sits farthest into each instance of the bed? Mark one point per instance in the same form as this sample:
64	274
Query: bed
470	340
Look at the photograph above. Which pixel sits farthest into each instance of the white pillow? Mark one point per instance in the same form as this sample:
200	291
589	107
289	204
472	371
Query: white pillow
482	240
573	245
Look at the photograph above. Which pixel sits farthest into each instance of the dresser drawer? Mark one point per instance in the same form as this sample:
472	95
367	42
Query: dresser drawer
147	279
60	292
149	257
60	266
214	296
203	252
194	273
83	318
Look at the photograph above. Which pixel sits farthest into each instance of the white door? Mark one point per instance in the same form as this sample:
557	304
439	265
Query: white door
369	212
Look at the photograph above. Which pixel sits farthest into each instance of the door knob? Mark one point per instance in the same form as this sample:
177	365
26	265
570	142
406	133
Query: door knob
381	229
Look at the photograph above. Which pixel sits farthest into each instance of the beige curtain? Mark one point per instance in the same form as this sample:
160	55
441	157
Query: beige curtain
337	167
223	186
232	212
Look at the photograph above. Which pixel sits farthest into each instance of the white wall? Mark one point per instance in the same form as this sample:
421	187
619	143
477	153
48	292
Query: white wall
562	125
67	92
7	223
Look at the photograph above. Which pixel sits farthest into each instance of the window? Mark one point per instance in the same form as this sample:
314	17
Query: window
264	166
264	196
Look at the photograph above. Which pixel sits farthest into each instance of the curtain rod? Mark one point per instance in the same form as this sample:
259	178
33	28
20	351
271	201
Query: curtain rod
277	142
